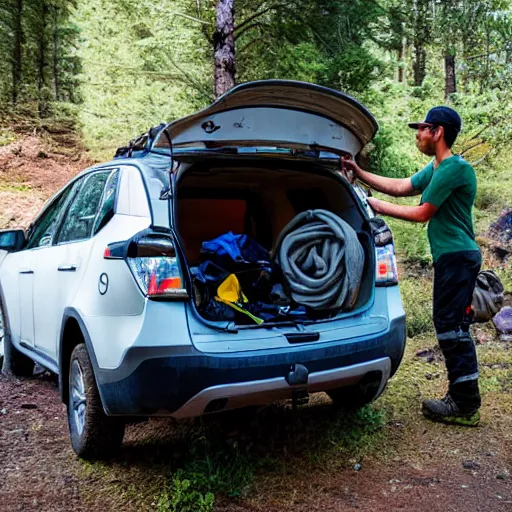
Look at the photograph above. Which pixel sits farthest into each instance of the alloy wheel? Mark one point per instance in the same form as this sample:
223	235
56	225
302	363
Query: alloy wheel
78	398
2	332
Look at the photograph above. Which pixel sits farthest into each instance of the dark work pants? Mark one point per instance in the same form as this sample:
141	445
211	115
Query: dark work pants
454	281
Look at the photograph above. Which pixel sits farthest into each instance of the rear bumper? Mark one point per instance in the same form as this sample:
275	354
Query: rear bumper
182	381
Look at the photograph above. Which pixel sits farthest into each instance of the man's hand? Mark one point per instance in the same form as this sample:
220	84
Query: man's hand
398	187
351	169
376	204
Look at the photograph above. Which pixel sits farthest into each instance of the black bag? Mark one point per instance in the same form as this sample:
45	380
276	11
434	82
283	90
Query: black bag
487	297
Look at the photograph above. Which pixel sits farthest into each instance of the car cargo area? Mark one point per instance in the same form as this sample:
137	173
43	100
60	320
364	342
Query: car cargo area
259	199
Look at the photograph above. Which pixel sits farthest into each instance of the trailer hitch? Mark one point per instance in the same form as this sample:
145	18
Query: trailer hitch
298	377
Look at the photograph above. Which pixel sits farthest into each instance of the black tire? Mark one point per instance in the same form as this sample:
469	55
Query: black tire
14	362
93	434
356	396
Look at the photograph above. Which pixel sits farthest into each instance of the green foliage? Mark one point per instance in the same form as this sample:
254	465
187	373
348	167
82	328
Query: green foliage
217	467
353	70
39	43
353	433
389	156
141	64
417	300
181	496
410	238
6	136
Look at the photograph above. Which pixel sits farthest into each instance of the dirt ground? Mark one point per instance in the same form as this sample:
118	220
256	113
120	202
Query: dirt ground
446	469
31	170
416	466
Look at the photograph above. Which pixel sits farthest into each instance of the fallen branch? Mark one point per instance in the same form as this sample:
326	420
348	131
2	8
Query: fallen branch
480	160
462	153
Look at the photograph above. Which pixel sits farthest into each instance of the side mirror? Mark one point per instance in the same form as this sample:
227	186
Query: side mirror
12	240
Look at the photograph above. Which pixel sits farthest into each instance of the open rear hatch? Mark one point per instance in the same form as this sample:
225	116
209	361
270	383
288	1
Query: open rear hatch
274	113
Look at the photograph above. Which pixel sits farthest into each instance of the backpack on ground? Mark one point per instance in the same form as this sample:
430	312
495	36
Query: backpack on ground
487	297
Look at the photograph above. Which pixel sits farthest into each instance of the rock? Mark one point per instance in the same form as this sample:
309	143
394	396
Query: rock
503	320
501	230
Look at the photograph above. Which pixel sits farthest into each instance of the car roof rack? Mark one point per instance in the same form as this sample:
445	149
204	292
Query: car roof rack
141	145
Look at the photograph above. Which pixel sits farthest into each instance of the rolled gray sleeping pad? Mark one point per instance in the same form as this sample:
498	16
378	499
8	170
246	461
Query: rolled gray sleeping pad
322	260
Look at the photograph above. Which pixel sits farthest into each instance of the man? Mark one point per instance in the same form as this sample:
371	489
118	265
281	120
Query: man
448	188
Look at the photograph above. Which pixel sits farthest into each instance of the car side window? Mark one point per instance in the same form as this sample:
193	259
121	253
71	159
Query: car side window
45	228
106	211
81	216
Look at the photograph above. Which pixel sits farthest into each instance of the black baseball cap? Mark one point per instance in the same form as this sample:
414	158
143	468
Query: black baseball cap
444	116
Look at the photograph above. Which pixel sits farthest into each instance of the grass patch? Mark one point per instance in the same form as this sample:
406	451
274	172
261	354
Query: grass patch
186	470
7	137
15	187
357	433
181	496
417	299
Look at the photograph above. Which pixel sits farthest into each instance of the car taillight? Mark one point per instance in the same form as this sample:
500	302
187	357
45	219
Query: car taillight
386	272
156	268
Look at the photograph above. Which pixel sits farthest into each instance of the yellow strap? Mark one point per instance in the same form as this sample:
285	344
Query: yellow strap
239	308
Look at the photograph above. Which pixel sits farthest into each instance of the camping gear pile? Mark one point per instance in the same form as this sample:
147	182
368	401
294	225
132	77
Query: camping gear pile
316	266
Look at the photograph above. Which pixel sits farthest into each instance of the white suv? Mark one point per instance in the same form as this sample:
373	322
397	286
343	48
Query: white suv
100	288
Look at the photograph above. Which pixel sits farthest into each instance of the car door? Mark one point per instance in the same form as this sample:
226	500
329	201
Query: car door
39	238
59	272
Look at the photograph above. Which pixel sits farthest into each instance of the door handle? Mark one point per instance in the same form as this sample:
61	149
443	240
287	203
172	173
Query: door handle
26	271
67	268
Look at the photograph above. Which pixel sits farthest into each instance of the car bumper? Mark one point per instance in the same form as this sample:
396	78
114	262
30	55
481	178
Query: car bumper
184	382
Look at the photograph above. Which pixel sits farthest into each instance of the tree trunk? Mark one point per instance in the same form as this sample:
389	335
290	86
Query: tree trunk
420	63
41	59
55	58
450	85
224	48
17	55
402	56
400	59
41	47
422	29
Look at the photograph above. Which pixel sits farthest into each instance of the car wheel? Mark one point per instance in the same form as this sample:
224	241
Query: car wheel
93	434
2	333
358	395
12	361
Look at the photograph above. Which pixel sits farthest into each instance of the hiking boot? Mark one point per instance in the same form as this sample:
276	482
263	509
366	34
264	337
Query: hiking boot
447	411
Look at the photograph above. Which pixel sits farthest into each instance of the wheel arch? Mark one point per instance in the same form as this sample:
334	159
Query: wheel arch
73	332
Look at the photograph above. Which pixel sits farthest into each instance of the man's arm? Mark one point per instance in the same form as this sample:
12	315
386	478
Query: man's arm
422	213
397	187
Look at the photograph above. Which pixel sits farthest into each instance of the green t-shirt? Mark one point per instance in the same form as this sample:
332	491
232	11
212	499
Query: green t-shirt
452	188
